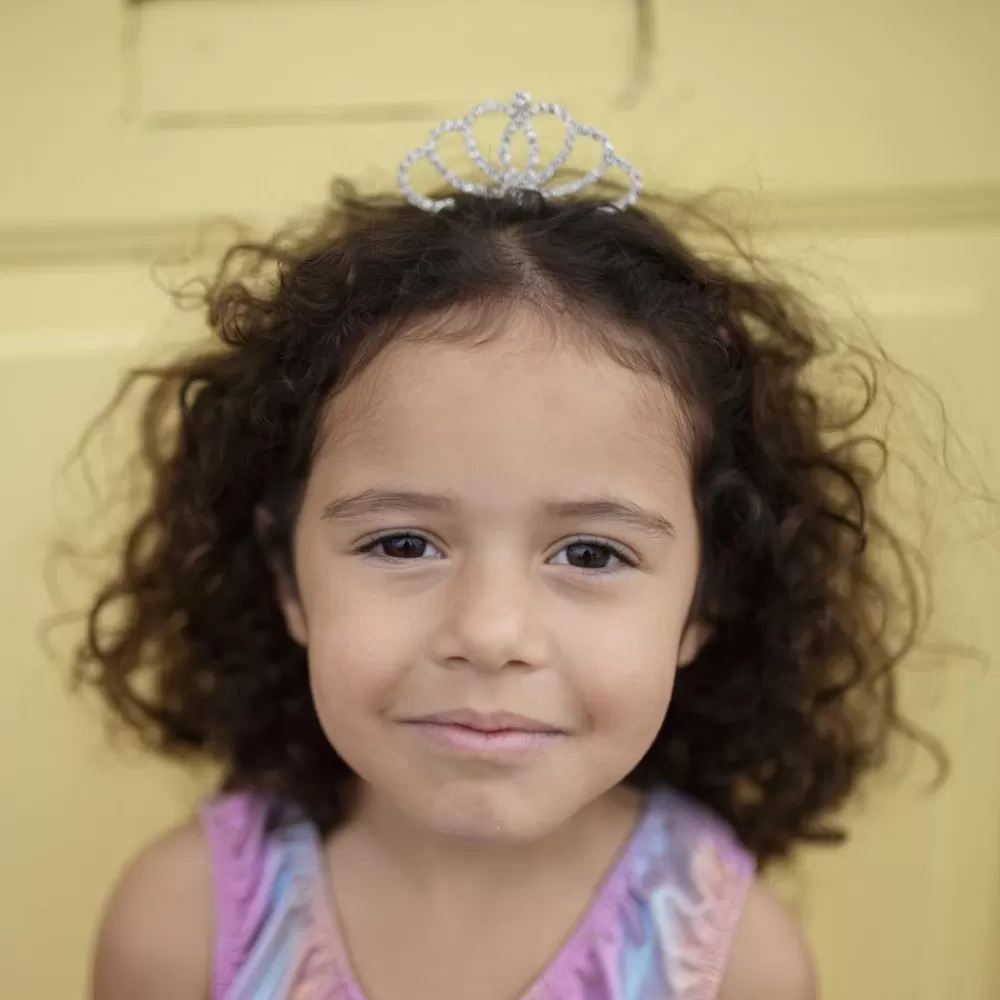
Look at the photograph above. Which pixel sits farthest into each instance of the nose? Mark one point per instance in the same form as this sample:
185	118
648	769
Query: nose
493	617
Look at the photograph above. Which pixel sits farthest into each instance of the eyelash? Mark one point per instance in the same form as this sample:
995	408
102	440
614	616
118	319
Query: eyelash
368	546
620	553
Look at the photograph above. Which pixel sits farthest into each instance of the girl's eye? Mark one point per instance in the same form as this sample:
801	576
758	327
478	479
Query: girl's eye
402	546
592	555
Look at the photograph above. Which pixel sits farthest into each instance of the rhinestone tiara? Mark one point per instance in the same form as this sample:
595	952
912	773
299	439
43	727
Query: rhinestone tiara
505	176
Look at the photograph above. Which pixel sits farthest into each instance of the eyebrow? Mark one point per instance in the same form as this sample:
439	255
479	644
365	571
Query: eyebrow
622	511
372	502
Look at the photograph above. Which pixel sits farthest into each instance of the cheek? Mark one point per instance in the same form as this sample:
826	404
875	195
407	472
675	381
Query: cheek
358	649
629	701
625	667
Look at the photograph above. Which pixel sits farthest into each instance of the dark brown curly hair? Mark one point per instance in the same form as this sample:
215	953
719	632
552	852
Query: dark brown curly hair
812	599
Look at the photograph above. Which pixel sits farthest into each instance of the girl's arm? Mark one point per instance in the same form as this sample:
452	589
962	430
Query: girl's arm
155	940
769	959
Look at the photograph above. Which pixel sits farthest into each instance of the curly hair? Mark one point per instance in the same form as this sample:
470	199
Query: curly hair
812	599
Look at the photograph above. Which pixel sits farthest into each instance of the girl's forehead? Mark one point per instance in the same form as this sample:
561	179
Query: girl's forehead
524	391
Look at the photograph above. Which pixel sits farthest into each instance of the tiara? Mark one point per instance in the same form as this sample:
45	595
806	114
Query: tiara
505	176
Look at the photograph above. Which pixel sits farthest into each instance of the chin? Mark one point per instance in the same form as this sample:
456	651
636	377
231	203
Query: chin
488	816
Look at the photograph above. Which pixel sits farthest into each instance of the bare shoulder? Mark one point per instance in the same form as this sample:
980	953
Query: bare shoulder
155	939
770	958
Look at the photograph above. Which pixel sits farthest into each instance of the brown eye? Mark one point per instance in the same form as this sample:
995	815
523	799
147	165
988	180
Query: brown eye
594	555
589	555
401	546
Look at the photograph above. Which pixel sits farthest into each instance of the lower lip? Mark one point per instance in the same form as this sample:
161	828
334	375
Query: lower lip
503	743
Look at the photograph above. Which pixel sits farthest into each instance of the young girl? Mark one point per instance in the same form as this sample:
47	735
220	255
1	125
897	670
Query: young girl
504	559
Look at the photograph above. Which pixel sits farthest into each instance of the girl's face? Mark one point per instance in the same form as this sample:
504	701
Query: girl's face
495	559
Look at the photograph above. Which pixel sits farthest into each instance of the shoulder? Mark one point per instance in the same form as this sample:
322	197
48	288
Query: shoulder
155	939
769	958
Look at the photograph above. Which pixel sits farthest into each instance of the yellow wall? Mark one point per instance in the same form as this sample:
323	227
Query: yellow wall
866	133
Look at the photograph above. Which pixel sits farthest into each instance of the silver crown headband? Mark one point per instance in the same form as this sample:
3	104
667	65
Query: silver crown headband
505	176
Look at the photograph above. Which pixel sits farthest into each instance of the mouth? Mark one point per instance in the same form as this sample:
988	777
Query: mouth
493	734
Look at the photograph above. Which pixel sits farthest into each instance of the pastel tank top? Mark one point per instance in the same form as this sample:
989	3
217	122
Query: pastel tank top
658	928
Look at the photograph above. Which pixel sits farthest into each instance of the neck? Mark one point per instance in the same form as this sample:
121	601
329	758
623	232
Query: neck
435	864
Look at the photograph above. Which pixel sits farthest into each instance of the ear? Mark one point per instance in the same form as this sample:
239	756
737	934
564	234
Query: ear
696	634
282	573
291	607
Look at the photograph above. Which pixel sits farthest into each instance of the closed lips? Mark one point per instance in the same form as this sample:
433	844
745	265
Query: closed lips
490	722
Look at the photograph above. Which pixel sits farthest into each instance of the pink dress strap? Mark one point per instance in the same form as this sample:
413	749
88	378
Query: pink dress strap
273	938
659	928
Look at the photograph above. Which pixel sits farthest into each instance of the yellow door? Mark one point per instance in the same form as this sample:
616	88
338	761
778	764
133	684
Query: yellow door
864	135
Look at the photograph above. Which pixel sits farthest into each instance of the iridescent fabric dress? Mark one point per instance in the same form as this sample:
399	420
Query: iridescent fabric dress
659	928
